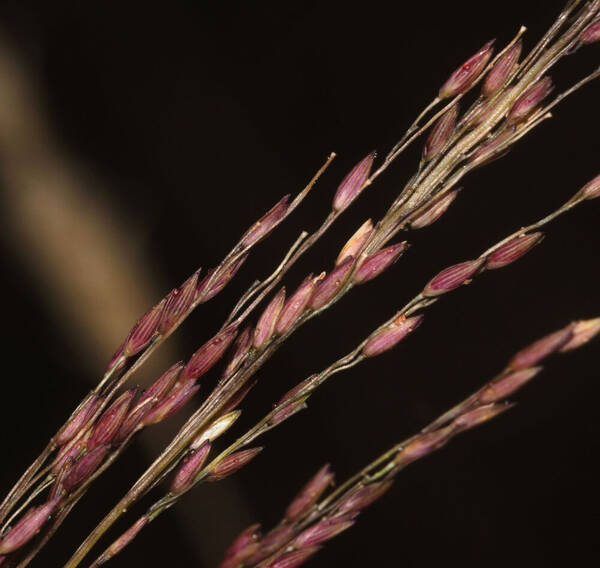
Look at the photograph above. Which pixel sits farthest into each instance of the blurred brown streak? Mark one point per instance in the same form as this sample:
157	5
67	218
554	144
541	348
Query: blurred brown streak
79	253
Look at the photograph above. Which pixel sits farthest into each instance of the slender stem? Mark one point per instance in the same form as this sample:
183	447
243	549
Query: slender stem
22	484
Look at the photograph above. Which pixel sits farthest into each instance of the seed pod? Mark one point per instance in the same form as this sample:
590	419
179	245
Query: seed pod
149	398
70	451
161	386
29	525
467	73
353	183
331	284
216	429
310	494
178	303
242	345
452	277
321	532
504	67
583	331
78	420
423	445
265	326
192	464
203	359
375	264
295	305
434	212
171	404
110	420
244	546
491	150
529	100
133	420
363	497
591	34
541	348
271	542
479	415
355	242
391	335
440	134
591	190
238	397
143	331
85	467
505	385
267	222
293	559
513	250
232	463
209	288
288	410
299	387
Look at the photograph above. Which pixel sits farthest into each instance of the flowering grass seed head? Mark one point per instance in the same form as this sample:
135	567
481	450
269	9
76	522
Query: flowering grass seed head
322	532
452	277
85	467
434	212
504	68
178	303
507	384
355	242
583	331
391	335
591	34
363	497
353	184
208	287
331	284
378	262
479	415
242	548
530	100
74	425
190	467
272	541
143	331
267	222
27	527
591	189
467	73
295	305
513	250
216	429
110	420
440	133
171	404
232	463
310	493
541	348
205	357
265	326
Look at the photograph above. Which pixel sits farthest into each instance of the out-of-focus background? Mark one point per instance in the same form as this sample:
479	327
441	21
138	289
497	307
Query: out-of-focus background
138	141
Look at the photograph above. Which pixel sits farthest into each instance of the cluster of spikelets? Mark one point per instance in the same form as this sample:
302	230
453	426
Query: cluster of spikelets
511	104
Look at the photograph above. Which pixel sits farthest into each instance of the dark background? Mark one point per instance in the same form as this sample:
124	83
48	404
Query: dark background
197	117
